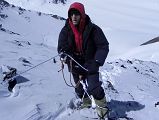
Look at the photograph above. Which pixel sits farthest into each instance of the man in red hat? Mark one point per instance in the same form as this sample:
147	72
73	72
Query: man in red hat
87	44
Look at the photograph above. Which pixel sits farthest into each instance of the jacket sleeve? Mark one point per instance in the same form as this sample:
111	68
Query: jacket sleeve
102	46
62	41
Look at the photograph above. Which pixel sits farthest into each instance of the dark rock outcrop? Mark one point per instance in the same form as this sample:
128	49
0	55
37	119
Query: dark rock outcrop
151	41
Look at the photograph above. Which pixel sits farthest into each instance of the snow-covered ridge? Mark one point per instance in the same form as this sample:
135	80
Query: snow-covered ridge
25	38
135	81
126	24
21	30
130	87
44	6
21	24
4	3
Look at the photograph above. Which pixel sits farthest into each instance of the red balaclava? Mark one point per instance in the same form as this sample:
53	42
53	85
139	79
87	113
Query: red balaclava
78	32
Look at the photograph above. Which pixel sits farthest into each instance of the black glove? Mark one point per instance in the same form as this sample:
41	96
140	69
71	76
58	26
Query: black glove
92	66
10	74
64	58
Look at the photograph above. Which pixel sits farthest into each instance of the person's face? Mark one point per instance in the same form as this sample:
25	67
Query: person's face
75	18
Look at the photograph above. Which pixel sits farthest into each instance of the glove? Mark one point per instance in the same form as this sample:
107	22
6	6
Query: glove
63	57
92	66
10	74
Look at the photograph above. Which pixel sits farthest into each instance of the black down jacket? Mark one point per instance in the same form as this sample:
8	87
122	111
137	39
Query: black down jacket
95	45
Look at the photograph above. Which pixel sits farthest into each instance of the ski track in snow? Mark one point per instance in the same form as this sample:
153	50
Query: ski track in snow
39	114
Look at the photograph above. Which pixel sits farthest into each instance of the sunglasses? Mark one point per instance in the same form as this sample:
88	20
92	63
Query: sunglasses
74	12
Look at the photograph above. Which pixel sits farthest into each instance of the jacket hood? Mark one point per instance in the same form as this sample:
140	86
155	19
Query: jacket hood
78	6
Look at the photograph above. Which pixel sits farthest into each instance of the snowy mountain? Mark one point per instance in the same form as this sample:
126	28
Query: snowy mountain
28	39
126	24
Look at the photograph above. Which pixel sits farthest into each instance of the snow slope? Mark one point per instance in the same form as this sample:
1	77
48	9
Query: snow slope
147	53
41	93
127	24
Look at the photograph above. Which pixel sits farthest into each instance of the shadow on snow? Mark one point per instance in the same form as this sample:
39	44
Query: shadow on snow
118	109
21	79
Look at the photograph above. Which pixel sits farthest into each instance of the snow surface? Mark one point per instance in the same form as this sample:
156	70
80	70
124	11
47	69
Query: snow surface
130	80
127	24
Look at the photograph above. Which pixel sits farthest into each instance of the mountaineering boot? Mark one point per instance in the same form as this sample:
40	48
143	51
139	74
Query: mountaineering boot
101	108
86	103
12	83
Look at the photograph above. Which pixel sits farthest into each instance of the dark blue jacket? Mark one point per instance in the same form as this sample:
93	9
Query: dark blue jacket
95	44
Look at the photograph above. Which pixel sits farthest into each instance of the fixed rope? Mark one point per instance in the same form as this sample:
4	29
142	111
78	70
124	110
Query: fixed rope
71	60
33	67
71	84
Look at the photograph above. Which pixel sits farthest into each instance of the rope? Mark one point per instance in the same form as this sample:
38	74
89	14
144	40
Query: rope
72	59
70	73
62	67
33	67
94	105
38	64
65	79
76	62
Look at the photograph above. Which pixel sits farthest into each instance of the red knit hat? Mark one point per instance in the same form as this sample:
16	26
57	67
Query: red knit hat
77	6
